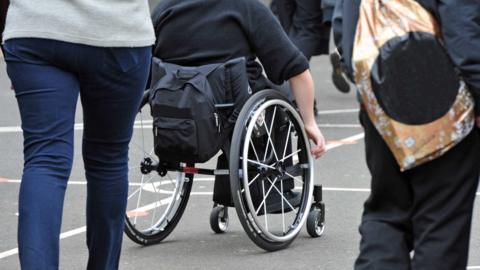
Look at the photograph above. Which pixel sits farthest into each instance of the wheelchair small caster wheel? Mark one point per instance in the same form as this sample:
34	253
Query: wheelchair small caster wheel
315	223
219	219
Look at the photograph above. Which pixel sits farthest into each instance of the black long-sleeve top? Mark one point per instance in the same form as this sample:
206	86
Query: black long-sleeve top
198	32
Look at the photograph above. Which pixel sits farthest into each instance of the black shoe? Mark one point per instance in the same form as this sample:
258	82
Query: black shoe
337	74
274	202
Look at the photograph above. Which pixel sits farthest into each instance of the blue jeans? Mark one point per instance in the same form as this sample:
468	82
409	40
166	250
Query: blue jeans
48	76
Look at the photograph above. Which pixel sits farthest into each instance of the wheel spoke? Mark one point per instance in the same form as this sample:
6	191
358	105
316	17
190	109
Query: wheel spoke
154	210
142	131
270	137
261	164
283	197
255	178
294	178
264	197
254	150
145	153
265	205
153	205
140	187
286	141
138	201
289	156
283	210
174	183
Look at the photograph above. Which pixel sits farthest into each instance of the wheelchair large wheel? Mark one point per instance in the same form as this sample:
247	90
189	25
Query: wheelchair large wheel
271	170
156	199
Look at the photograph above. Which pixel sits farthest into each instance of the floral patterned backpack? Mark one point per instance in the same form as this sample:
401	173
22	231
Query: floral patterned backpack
410	88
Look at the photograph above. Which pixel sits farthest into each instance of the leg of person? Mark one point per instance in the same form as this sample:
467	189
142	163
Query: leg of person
112	84
444	192
284	10
385	228
338	78
46	97
221	188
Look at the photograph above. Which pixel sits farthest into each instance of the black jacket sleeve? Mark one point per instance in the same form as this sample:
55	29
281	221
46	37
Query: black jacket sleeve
460	23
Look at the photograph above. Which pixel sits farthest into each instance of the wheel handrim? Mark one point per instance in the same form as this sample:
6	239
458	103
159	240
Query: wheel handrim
253	217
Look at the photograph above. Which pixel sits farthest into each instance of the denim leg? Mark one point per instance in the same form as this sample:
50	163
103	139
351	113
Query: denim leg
46	98
110	96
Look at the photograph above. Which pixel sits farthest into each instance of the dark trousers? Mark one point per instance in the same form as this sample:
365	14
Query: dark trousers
48	76
427	209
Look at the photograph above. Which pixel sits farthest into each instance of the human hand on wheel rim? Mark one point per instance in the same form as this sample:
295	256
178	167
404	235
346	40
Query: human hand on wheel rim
314	133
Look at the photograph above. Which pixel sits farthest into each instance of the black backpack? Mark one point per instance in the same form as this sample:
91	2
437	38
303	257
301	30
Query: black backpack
194	109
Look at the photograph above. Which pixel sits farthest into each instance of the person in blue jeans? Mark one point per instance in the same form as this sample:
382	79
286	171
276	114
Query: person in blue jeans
56	51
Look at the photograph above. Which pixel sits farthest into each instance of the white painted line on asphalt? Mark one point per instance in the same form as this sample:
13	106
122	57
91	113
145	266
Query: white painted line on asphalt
73	232
356	137
147	123
8	253
80	230
82	183
83	229
10	129
346	189
330	146
339	125
211	179
338	111
473	267
18	129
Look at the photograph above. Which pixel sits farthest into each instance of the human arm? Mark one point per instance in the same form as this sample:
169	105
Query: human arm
283	61
303	90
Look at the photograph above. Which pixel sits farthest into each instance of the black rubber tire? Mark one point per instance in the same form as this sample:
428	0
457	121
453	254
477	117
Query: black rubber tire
215	219
151	239
235	153
314	220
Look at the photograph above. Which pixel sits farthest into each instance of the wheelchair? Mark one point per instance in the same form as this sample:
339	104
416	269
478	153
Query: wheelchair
268	161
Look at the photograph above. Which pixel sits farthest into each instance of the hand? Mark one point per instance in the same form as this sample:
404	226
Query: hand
314	133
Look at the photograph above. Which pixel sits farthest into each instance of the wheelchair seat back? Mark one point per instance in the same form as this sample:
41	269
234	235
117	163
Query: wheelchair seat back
194	109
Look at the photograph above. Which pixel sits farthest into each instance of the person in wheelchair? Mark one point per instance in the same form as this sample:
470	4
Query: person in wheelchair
201	32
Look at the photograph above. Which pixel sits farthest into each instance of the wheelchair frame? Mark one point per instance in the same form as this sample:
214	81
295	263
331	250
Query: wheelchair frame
255	227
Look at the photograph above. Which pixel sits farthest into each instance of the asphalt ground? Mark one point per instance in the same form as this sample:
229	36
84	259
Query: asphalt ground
193	245
342	172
